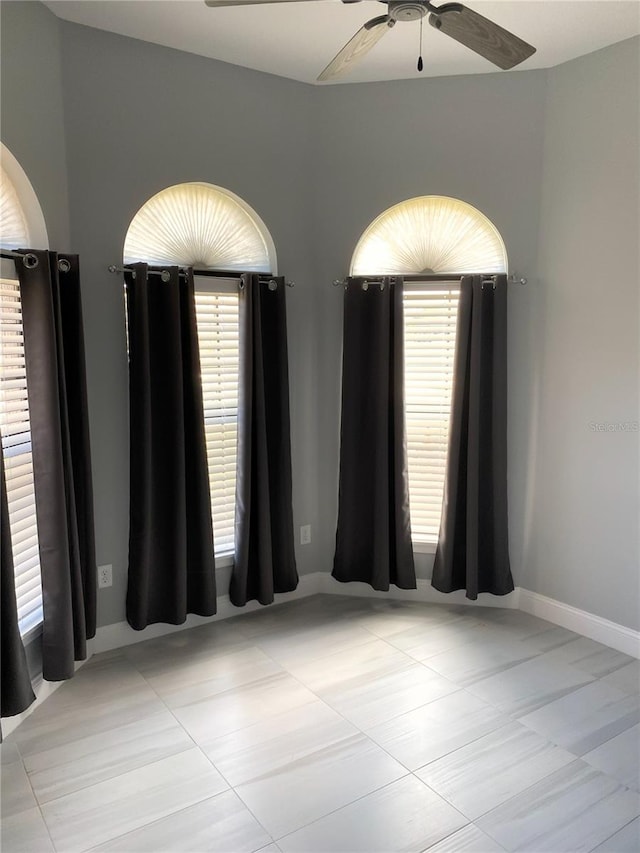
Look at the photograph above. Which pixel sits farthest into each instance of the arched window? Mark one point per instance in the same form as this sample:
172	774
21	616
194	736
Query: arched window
209	228
203	226
13	225
21	226
426	236
430	234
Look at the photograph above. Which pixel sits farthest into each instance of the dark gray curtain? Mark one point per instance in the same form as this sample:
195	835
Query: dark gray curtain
171	558
54	356
265	561
473	547
17	693
373	540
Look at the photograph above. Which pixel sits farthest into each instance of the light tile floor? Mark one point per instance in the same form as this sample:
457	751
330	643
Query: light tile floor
336	723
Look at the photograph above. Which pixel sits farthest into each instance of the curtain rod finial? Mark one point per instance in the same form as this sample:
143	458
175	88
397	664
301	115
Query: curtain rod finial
514	278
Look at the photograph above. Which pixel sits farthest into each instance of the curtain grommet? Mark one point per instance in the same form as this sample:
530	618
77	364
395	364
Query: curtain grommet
165	276
64	265
30	261
273	284
241	285
365	285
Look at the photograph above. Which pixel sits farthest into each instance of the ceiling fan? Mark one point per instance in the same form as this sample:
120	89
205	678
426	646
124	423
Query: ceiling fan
464	25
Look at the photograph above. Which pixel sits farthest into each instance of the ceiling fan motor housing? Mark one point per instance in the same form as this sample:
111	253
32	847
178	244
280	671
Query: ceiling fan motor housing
405	10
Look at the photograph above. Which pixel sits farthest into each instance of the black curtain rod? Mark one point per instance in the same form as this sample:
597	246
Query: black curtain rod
208	273
439	277
28	258
512	279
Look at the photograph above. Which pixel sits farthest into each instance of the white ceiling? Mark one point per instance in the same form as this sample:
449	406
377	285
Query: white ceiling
297	40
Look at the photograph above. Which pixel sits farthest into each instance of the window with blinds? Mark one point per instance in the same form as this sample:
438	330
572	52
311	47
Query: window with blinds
205	226
420	236
430	318
18	464
217	322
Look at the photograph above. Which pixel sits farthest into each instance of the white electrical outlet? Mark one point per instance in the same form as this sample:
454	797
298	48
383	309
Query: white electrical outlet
105	576
305	534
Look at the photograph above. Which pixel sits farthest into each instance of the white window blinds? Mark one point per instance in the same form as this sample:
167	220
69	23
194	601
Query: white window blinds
217	321
18	463
430	317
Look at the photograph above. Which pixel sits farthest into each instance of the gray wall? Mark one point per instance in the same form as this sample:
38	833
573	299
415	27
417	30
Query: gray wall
32	108
549	157
582	509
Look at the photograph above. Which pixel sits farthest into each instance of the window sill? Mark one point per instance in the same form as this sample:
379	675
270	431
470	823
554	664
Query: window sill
223	561
423	547
32	634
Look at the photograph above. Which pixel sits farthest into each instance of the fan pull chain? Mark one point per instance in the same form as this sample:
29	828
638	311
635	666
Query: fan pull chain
420	65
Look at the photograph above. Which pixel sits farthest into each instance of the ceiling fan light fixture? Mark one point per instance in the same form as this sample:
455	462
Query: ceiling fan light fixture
474	31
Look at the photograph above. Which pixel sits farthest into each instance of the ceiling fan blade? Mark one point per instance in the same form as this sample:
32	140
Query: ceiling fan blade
246	2
356	47
481	35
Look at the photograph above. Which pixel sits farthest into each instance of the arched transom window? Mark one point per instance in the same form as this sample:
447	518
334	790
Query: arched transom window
22	223
13	225
430	235
203	226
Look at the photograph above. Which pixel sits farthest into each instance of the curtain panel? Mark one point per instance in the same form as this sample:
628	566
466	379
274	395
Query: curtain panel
171	555
264	559
373	538
16	693
55	367
473	546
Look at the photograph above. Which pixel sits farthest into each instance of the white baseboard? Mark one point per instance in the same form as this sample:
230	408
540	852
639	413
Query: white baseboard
122	634
581	621
594	627
425	593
